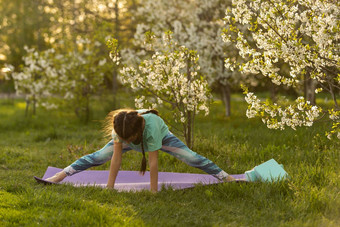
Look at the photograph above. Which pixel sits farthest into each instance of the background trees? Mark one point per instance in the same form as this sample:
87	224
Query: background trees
170	78
63	26
198	26
290	47
301	36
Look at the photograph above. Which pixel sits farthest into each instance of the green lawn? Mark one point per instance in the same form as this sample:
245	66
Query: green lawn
236	144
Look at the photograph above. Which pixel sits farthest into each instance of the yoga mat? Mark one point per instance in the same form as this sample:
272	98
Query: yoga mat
132	181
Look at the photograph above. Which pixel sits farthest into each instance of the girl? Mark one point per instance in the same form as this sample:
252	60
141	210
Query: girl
143	131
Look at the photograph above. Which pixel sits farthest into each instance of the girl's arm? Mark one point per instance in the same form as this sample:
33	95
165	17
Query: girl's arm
115	164
153	163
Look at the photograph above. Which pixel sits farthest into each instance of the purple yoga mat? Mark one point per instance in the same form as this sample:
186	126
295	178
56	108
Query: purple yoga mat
132	181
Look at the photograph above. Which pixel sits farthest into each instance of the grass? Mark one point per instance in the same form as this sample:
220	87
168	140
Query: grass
236	144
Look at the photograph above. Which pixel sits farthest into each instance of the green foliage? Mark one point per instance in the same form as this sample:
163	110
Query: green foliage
23	23
236	144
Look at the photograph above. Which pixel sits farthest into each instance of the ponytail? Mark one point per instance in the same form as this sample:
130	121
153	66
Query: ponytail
143	165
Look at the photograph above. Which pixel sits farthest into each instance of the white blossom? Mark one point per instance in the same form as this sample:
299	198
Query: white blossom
163	80
302	35
52	73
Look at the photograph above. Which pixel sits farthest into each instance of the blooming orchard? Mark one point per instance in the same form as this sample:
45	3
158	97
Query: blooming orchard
170	78
37	78
196	24
301	35
74	76
84	71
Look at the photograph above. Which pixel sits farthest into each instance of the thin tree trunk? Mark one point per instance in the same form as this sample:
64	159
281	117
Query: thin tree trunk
189	131
331	88
117	36
87	109
34	105
273	92
226	93
38	27
114	87
117	21
73	26
189	113
63	30
192	130
309	89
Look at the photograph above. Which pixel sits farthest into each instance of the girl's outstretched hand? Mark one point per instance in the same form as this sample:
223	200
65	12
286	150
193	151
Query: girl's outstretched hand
109	186
153	162
116	161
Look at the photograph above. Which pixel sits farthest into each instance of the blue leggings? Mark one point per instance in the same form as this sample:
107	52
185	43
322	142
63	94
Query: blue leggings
170	144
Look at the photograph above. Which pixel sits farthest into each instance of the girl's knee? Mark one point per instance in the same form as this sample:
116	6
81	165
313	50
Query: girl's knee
194	160
101	157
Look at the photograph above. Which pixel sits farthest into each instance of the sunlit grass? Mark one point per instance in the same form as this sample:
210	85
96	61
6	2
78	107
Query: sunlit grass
57	138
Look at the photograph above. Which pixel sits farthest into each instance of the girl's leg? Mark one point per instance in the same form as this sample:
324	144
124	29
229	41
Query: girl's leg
95	159
175	147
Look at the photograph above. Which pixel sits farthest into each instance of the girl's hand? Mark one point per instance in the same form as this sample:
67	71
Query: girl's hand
116	161
109	186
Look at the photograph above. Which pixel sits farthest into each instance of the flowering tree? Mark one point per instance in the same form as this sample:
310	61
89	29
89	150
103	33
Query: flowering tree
74	76
170	78
301	35
83	71
36	78
196	24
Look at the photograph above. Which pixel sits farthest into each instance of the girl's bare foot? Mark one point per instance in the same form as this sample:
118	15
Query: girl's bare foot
57	177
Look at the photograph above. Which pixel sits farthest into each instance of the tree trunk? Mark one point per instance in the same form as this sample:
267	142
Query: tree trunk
87	109
117	22
273	92
34	105
74	25
309	89
40	41
62	10
226	93
189	131
192	129
114	88
117	36
331	88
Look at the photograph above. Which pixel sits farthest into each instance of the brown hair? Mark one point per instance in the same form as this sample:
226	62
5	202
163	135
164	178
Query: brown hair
128	123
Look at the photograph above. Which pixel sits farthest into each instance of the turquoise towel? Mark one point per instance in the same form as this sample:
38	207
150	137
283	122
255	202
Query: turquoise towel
268	171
